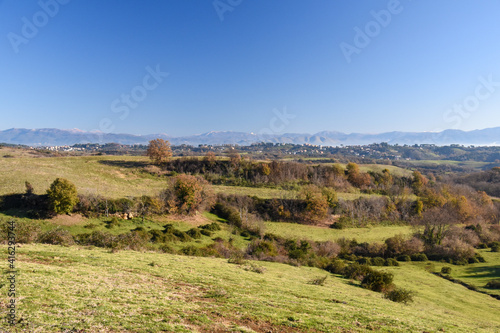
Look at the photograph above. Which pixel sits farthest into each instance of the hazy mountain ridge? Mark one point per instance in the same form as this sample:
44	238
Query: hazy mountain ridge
58	137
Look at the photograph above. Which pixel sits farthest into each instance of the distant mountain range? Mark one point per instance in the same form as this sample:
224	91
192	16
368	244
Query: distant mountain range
58	137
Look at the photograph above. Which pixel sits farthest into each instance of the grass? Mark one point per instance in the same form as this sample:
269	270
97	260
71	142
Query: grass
74	288
112	176
478	274
77	224
478	166
300	231
261	192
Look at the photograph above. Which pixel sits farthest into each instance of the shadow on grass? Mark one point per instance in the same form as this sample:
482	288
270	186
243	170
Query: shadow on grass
125	164
483	272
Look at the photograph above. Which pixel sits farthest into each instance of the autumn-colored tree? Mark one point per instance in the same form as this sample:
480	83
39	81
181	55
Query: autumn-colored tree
387	178
355	177
149	205
464	208
432	198
159	151
316	203
419	182
234	157
265	169
210	157
352	169
62	196
419	207
331	196
187	194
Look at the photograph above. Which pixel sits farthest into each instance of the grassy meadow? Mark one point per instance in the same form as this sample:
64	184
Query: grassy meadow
68	289
90	289
369	234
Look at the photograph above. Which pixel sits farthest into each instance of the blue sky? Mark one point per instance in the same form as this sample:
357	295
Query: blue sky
349	66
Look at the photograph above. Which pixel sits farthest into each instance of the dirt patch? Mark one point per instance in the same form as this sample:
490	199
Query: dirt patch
194	220
68	220
119	174
224	325
326	223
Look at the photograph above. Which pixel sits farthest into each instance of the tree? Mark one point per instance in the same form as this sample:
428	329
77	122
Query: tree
316	203
159	151
355	177
210	157
62	196
419	182
187	194
436	221
234	157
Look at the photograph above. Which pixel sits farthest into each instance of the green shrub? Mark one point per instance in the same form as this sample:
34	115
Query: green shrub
228	213
194	233
364	261
404	258
336	267
57	236
206	232
391	262
350	257
479	258
342	223
133	240
356	271
62	196
167	249
191	251
237	258
157	236
419	257
399	295
182	236
262	248
495	246
254	268
214	226
377	281
122	205
26	231
318	281
114	222
446	270
378	261
168	228
472	260
96	238
493	284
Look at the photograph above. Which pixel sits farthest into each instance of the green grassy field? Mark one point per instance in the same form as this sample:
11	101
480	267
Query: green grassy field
261	192
301	231
110	176
478	274
467	164
73	288
87	289
378	168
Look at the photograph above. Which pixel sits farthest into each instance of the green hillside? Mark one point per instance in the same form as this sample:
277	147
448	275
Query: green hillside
72	288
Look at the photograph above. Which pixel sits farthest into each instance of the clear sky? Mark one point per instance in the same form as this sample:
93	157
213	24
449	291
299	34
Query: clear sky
185	67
